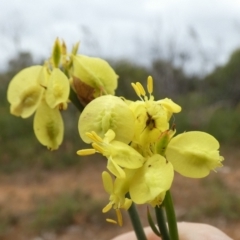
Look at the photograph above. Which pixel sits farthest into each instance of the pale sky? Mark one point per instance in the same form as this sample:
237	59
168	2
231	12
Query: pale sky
136	29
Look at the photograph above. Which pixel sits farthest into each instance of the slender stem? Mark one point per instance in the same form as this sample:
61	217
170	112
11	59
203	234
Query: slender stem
161	222
136	223
171	217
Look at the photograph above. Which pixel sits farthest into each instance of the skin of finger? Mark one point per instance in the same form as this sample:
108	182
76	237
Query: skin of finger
187	231
199	231
131	235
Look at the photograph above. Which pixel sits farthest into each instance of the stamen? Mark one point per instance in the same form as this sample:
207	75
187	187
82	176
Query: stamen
140	87
119	217
93	136
85	152
150	85
111	221
98	148
136	89
98	139
88	134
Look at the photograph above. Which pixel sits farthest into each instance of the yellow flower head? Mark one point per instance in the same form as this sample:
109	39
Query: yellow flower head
117	200
104	113
151	117
36	89
194	154
119	154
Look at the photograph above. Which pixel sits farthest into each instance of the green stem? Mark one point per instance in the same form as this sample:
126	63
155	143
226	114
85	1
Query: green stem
161	222
136	223
171	217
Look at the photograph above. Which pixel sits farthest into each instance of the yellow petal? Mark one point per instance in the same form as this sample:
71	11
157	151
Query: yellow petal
24	92
170	105
107	182
125	156
194	154
127	204
115	169
95	72
58	88
104	113
152	179
48	126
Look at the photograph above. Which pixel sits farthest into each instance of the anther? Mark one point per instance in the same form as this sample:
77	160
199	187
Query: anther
150	85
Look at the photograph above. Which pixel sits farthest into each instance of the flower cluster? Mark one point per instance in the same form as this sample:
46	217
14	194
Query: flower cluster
136	137
141	148
45	90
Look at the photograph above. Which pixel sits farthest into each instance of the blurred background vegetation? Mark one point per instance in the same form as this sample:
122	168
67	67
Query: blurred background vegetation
210	103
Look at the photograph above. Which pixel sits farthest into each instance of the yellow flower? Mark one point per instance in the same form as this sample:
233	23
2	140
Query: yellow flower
104	113
94	76
150	121
117	200
194	154
151	117
36	89
151	181
119	154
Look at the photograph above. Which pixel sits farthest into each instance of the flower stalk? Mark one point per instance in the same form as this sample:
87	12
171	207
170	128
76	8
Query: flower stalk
136	223
171	217
161	221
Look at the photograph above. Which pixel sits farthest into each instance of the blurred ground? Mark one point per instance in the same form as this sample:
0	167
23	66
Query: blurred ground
66	204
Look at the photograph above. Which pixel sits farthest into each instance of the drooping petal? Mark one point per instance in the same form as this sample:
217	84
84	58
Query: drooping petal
194	154
48	126
104	113
24	92
58	88
115	169
107	182
152	179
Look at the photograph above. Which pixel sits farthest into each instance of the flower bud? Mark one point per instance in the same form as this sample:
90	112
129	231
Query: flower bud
56	53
